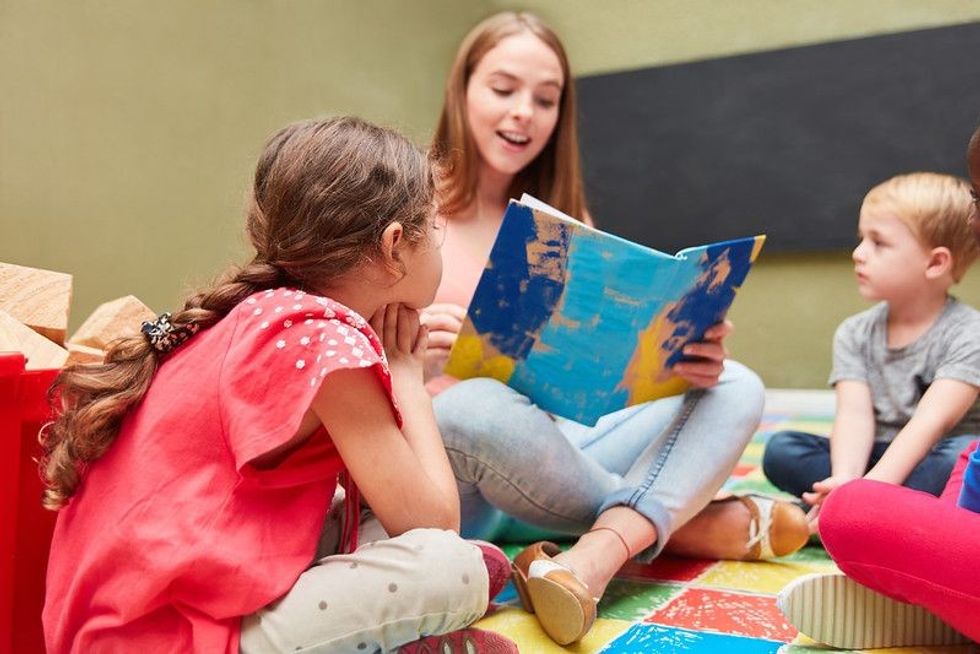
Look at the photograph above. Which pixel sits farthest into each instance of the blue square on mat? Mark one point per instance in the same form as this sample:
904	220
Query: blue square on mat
670	640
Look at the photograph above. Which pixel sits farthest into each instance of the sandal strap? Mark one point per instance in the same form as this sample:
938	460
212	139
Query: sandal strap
541	567
760	524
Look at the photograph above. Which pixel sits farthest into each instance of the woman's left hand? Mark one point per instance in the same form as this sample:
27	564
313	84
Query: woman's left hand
444	321
704	370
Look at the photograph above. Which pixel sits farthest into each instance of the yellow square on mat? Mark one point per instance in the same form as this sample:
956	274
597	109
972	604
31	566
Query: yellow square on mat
524	630
753	453
759	576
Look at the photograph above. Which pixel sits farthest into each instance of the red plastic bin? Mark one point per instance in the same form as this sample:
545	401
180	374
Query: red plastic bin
25	527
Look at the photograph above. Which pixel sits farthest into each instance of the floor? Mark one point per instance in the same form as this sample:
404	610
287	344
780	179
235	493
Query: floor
680	606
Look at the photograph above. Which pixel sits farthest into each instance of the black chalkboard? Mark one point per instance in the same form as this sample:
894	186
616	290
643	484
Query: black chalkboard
784	142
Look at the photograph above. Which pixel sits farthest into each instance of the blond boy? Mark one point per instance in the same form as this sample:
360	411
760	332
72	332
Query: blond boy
906	371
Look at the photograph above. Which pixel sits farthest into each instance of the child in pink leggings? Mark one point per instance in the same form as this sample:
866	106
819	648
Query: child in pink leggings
905	544
909	545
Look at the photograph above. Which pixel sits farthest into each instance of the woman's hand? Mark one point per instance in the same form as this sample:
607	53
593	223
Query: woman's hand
444	321
404	340
710	362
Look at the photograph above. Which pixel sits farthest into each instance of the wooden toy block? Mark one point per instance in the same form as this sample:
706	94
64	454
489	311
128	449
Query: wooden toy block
82	354
37	298
112	320
39	351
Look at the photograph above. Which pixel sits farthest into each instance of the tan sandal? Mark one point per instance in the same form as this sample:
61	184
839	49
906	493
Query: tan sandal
563	605
777	527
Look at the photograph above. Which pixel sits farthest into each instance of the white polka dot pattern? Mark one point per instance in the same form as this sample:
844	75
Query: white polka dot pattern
311	335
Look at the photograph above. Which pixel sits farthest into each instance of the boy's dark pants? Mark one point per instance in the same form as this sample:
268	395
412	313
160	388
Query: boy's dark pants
794	460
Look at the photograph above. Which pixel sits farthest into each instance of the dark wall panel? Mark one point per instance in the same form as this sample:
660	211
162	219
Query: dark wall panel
784	142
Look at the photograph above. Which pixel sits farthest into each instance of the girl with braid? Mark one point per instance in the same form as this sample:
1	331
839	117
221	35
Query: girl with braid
195	470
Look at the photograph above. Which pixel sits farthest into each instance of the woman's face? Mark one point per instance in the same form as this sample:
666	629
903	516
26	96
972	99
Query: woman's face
973	163
512	100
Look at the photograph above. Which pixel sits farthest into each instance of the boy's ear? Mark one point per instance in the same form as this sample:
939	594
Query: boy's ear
391	242
940	262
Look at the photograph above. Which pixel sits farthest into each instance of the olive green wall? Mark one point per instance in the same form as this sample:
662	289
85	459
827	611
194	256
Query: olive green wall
128	130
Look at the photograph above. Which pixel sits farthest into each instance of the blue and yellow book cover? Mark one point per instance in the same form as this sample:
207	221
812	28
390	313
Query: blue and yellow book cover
584	322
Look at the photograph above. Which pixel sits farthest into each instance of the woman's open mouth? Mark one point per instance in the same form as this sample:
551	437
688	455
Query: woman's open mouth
514	139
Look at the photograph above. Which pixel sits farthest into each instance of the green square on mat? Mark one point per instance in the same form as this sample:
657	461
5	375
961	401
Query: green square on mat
630	600
809	554
512	549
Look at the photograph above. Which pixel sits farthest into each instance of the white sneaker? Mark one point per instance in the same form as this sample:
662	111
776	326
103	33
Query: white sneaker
836	610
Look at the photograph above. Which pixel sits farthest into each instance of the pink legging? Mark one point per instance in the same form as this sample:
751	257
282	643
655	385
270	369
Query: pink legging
910	545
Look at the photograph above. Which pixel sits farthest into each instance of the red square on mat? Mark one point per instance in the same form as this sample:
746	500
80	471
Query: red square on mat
703	609
771	423
743	469
665	568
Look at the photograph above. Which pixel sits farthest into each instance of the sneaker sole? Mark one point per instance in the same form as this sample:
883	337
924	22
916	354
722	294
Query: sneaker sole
836	610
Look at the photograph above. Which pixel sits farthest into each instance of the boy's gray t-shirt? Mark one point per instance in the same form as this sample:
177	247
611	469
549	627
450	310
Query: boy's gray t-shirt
898	378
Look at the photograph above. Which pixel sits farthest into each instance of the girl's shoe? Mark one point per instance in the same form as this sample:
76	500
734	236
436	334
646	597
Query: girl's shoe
563	605
463	641
836	610
498	566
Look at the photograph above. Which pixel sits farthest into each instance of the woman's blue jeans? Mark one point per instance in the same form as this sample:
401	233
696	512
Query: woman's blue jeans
524	474
795	460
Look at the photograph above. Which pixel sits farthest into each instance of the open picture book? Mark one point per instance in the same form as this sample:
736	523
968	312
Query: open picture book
585	323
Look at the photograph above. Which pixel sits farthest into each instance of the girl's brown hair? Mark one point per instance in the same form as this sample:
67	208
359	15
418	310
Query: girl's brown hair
324	191
555	175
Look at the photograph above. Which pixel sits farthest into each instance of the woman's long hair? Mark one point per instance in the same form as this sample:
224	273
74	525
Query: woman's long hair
323	193
555	175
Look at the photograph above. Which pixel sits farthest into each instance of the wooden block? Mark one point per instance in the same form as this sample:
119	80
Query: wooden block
38	298
112	320
82	354
39	351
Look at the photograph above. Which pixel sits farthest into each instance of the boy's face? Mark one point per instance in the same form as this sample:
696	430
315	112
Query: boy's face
890	262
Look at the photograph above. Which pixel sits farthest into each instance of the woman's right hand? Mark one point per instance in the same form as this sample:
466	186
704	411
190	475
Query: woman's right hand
444	321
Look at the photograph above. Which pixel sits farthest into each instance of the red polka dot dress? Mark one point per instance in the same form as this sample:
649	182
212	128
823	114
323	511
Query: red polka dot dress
173	535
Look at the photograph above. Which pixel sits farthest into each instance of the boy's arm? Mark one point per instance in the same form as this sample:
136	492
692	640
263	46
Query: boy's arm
942	406
851	439
853	433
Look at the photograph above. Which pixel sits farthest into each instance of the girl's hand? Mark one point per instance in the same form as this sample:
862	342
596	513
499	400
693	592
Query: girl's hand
705	371
404	340
444	320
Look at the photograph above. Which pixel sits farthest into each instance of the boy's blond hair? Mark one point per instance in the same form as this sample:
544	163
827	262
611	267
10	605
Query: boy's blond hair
936	208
